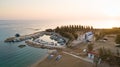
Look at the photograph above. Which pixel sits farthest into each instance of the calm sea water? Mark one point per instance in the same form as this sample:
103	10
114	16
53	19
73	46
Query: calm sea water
13	56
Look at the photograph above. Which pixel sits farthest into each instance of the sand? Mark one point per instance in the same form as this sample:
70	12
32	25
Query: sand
65	61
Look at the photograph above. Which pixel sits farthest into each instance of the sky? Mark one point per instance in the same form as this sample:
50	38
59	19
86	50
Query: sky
61	10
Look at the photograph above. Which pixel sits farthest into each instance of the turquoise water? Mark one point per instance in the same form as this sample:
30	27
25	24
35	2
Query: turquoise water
10	54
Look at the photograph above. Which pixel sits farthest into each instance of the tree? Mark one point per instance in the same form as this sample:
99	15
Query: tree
69	31
75	35
106	55
90	47
49	30
57	29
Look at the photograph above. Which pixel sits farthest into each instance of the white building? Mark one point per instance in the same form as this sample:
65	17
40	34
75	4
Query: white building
87	37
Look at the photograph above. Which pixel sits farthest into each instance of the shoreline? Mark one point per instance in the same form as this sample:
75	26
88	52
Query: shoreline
42	59
39	61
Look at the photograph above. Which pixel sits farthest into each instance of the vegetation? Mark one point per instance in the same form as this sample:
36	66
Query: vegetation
114	30
99	36
70	31
90	47
49	30
109	56
117	40
104	53
79	28
117	60
103	32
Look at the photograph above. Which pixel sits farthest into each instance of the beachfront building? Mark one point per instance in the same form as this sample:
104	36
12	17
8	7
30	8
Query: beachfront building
91	55
94	56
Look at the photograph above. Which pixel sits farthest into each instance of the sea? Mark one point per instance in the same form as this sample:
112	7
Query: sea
13	56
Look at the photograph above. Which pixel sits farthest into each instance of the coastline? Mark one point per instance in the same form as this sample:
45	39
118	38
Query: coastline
42	59
65	61
39	61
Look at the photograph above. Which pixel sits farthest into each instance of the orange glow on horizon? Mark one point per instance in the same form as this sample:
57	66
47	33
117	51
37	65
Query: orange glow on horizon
103	13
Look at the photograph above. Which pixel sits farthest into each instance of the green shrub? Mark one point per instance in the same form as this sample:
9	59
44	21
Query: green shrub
90	47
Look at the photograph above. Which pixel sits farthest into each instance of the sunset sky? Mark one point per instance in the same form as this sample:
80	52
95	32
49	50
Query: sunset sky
61	10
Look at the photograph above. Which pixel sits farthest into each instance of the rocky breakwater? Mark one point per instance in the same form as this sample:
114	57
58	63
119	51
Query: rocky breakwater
25	37
38	45
34	41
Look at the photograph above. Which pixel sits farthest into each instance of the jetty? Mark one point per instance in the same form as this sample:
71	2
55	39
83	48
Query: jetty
25	37
38	45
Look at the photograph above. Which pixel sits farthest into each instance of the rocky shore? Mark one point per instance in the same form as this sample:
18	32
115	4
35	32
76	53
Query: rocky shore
37	45
34	41
26	37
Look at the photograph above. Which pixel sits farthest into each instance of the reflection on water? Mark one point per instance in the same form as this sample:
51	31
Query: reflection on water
13	56
10	54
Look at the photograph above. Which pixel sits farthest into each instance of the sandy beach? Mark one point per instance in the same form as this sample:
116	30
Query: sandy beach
65	61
